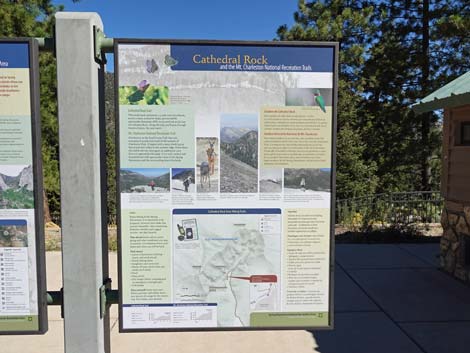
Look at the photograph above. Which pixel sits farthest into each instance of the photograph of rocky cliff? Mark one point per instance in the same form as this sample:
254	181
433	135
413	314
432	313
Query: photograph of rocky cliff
148	180
307	180
239	153
16	187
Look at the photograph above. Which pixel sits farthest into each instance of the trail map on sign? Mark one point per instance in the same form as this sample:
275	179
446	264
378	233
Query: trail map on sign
217	267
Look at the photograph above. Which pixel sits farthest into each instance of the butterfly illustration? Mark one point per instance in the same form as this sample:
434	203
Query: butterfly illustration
169	61
151	66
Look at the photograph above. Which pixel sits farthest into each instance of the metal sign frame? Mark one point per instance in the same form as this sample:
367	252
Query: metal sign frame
38	191
335	47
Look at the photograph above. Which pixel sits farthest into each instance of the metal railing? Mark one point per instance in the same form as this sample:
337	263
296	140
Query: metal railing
386	208
111	219
399	208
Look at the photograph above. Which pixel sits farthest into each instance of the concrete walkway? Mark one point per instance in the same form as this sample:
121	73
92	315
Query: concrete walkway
388	299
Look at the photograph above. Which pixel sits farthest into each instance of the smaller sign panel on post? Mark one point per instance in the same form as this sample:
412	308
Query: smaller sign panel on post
23	296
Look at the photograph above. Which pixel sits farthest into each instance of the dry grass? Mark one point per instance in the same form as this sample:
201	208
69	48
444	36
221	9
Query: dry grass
54	237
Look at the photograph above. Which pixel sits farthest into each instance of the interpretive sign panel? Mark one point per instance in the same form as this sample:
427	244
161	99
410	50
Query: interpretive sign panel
226	184
23	302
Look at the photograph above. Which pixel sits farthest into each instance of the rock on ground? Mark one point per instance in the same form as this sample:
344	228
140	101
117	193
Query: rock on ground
178	186
269	186
236	176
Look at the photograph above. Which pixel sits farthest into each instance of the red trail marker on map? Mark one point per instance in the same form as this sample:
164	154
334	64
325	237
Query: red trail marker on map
259	278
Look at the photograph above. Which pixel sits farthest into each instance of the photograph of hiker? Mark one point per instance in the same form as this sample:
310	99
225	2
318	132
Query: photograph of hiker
239	153
148	180
307	180
182	180
270	180
309	97
207	162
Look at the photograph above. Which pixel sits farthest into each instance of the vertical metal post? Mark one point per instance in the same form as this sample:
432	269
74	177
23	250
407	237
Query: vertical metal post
78	77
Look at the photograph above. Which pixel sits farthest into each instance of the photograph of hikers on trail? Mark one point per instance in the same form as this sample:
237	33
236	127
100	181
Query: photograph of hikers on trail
182	180
145	180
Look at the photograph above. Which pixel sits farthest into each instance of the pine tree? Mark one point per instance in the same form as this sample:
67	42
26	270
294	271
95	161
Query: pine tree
334	20
391	53
35	19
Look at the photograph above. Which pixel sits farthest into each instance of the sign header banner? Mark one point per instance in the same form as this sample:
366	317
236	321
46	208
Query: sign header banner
251	58
14	56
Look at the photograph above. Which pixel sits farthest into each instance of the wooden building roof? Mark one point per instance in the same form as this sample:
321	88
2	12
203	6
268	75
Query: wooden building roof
454	94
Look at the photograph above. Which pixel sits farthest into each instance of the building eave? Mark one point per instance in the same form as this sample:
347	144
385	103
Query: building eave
454	100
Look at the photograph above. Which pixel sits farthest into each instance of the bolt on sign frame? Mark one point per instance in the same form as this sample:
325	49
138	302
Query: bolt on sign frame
226	184
23	296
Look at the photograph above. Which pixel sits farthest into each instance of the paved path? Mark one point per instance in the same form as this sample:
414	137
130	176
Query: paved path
388	299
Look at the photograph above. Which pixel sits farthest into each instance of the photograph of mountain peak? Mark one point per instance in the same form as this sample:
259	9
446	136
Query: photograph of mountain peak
16	187
239	153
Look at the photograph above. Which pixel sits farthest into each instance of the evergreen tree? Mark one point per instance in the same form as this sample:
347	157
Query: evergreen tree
351	26
34	18
391	54
407	61
110	145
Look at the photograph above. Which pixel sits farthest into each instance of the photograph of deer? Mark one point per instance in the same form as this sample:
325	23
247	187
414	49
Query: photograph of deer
207	162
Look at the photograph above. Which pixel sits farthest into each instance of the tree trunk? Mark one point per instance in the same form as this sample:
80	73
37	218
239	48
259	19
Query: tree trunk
425	118
47	213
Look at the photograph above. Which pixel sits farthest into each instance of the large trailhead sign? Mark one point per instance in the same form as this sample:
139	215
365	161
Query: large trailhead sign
22	271
226	184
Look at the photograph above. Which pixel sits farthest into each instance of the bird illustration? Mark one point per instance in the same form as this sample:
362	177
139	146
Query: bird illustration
319	100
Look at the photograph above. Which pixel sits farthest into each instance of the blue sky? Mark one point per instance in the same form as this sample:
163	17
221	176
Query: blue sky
149	172
203	19
248	121
176	171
